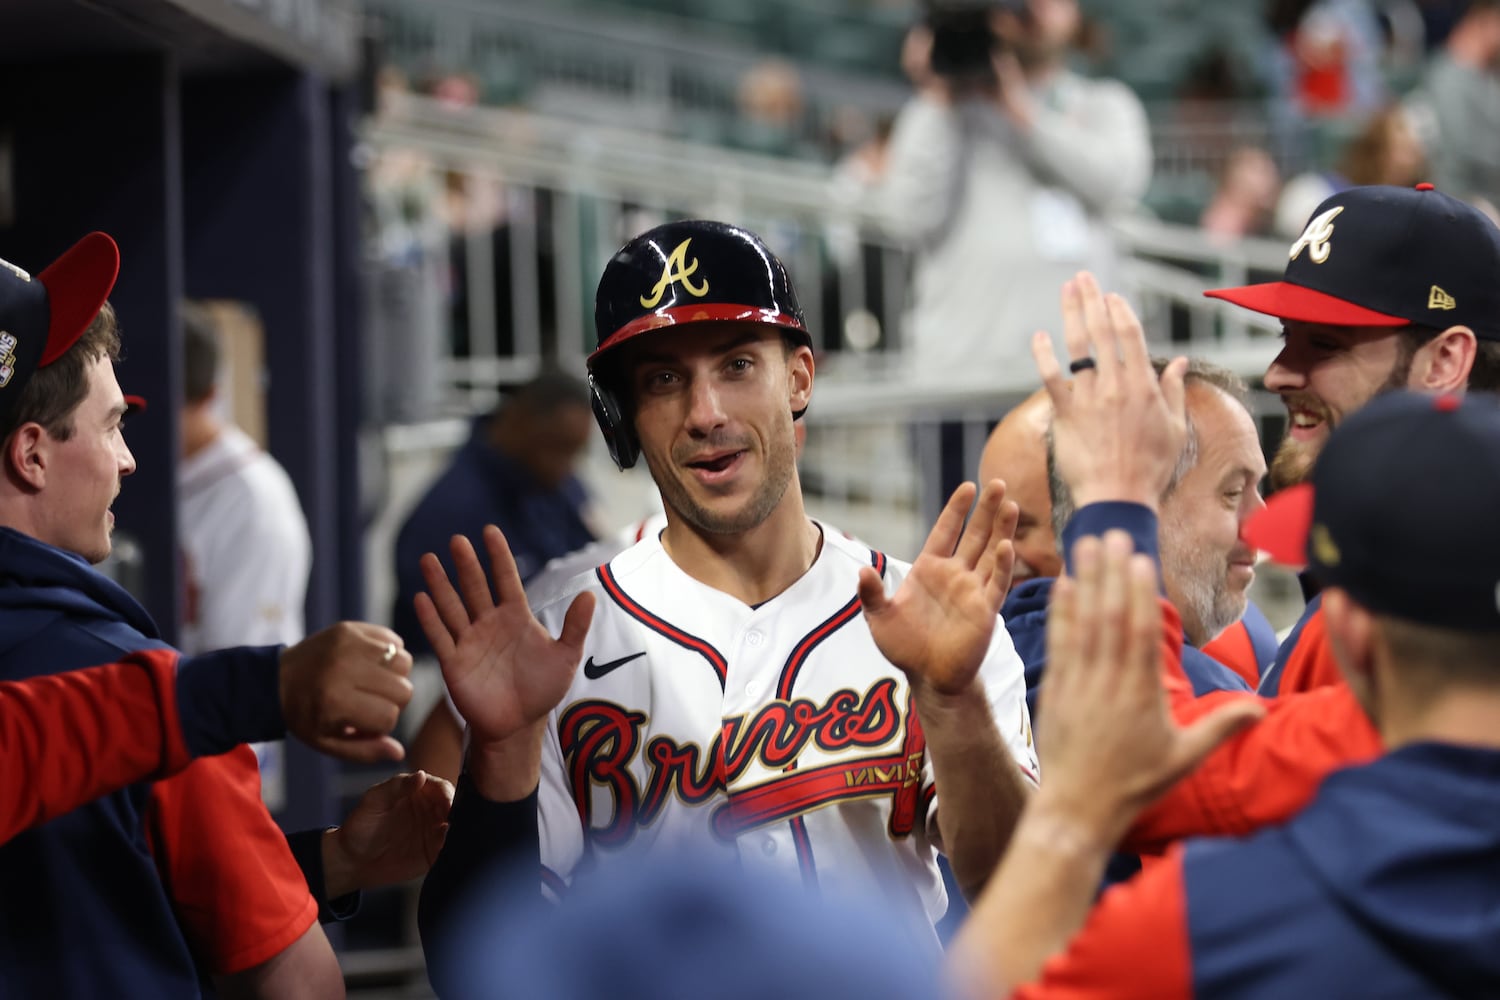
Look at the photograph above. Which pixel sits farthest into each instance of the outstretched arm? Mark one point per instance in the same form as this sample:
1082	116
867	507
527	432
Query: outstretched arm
1109	746
937	629
505	673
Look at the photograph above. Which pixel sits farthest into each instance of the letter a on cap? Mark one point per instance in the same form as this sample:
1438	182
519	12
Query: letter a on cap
1316	236
677	269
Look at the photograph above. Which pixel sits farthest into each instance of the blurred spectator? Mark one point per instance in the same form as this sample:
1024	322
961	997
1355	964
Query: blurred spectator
244	540
770	105
1328	60
1457	108
517	472
1000	174
1386	151
1246	196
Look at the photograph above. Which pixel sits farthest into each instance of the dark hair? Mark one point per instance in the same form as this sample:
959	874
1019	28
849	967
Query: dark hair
200	352
1198	373
546	394
53	393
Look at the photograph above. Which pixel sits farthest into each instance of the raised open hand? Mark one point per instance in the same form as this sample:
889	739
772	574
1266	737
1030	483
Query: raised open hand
938	625
1108	743
1118	430
503	668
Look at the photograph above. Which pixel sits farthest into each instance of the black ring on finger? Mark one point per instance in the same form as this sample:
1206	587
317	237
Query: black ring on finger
1081	365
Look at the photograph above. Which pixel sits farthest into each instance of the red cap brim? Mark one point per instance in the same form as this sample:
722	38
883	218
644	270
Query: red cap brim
1285	300
1280	528
708	312
134	404
77	283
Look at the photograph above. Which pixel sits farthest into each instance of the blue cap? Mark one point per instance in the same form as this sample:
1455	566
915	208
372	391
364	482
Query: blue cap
1387	256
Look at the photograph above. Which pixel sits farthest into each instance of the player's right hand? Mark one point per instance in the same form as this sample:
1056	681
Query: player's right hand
503	669
342	690
1108	742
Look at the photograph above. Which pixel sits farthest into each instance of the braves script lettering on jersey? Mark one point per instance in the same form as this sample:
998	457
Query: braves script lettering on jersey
777	734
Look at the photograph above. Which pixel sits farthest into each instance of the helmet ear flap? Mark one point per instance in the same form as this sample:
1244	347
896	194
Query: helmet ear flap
618	434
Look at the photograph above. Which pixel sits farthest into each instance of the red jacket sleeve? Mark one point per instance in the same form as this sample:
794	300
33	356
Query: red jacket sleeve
1135	944
1263	775
1310	664
67	739
237	890
1233	648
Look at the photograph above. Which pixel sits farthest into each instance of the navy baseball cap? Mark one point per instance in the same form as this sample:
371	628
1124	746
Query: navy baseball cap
41	317
693	271
1387	256
1400	511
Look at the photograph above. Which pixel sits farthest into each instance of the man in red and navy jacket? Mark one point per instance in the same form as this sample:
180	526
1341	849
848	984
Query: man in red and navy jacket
1383	884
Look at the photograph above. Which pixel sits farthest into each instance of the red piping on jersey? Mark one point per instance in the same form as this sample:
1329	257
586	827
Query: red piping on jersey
662	626
839	619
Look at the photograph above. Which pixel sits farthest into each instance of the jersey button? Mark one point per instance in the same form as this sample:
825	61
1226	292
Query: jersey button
754	638
769	847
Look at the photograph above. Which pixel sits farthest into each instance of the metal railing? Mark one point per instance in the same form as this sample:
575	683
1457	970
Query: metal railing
564	196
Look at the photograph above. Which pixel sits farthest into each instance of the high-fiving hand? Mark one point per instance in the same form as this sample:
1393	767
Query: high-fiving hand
504	670
1118	430
1108	743
937	626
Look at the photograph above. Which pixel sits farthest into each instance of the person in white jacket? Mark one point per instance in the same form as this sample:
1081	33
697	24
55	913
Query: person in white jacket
1000	183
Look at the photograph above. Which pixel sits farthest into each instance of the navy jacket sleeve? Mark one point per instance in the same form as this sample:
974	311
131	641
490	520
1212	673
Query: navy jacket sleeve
230	697
485	839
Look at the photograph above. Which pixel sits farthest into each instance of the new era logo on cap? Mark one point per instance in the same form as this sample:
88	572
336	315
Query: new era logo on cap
1401	511
1387	256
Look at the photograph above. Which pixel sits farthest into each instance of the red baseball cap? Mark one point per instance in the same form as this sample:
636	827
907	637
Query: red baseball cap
41	318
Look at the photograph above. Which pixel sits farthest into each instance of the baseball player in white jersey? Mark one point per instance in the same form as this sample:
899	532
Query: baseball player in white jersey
753	682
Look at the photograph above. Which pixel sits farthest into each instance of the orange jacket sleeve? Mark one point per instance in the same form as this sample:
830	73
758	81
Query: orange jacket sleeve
1263	775
69	738
1310	664
237	890
1135	944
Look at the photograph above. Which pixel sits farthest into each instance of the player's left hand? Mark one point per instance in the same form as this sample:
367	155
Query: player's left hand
1109	745
938	625
392	835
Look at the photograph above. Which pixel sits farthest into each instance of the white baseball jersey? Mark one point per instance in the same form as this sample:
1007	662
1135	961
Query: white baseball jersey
247	556
776	735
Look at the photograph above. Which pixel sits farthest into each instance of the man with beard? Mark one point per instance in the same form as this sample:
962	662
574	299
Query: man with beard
752	679
1207	572
1387	288
1384	885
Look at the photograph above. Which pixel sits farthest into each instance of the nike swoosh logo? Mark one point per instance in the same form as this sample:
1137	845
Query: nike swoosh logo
593	671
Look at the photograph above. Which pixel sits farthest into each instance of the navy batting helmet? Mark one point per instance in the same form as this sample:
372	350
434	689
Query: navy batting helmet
676	274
